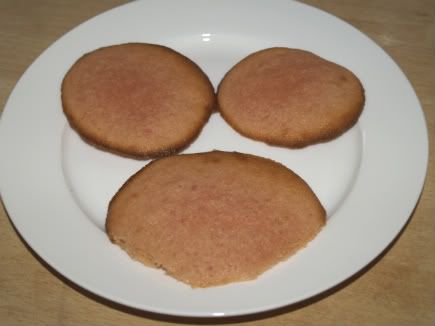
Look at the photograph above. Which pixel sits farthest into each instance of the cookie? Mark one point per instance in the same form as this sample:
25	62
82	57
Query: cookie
213	218
137	99
290	97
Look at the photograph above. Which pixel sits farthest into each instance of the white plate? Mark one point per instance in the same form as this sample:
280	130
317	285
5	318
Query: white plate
56	188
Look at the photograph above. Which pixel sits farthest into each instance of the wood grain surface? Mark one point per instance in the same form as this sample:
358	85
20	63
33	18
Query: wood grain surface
398	288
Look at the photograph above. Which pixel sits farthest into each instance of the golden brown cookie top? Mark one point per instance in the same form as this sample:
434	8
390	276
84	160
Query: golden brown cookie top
290	97
213	218
137	99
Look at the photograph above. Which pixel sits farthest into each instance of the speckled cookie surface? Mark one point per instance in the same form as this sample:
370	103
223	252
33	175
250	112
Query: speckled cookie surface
213	218
137	99
290	97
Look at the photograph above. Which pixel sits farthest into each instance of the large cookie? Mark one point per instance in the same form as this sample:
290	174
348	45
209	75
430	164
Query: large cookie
137	99
290	97
212	218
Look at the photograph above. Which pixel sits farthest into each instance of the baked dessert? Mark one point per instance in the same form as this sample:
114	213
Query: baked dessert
213	218
137	99
290	97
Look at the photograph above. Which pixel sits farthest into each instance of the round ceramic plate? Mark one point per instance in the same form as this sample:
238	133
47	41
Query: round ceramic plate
56	187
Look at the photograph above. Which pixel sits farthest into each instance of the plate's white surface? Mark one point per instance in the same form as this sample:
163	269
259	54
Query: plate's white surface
56	188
